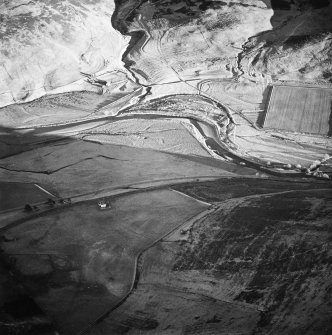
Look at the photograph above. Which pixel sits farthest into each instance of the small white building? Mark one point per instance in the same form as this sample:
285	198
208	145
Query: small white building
103	204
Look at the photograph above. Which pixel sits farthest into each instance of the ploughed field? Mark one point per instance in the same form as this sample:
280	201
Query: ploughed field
304	110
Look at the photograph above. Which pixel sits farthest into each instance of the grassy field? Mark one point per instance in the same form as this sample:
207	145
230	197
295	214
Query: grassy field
80	166
13	195
157	134
79	262
299	109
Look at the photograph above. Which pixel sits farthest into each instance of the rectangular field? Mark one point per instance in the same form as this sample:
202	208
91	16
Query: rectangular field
300	109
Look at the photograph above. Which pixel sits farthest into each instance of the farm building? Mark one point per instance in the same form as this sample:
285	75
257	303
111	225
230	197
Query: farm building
104	204
299	109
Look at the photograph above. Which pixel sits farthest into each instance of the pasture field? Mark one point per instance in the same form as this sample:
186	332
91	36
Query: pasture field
79	262
13	195
79	167
300	109
158	134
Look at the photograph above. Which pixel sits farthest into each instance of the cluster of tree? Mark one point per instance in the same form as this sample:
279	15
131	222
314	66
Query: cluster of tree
30	208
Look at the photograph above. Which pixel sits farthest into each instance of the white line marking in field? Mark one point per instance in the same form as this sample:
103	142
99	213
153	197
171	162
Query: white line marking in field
188	196
45	191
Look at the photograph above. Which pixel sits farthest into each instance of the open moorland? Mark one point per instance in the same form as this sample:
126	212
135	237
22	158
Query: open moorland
257	263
